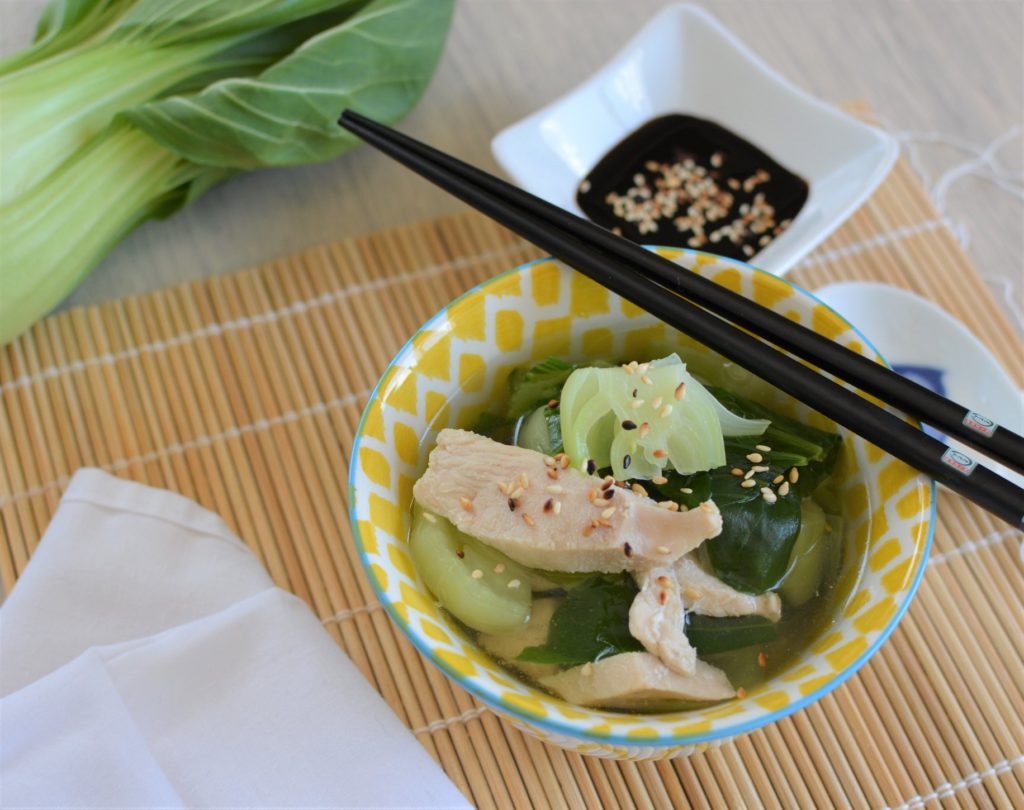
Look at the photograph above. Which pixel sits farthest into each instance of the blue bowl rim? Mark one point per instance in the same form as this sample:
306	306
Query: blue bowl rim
554	726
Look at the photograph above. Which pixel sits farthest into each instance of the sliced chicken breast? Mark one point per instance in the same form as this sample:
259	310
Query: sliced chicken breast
634	680
657	620
707	595
545	513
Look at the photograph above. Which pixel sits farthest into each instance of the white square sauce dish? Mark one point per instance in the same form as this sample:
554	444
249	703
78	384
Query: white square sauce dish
685	62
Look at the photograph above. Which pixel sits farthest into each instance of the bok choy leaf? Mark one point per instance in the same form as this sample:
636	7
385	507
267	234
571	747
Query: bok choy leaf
125	110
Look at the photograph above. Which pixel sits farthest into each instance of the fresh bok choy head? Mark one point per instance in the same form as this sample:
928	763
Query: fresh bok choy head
123	110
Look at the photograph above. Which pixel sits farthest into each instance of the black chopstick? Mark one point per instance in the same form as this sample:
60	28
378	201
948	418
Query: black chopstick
951	418
889	432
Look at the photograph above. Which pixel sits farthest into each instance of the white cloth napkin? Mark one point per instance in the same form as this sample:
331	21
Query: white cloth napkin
146	660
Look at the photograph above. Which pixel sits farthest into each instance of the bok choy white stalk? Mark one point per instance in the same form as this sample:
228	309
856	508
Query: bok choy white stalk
123	110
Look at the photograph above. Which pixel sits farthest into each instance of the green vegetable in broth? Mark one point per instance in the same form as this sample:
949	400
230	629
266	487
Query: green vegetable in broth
753	551
473	582
639	420
793	444
592	623
809	557
536	385
716	634
541	430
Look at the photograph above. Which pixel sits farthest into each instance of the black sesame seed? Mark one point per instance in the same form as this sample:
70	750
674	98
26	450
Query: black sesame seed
591	466
460	553
628	424
512	504
634	392
609	492
627	549
549	504
626	461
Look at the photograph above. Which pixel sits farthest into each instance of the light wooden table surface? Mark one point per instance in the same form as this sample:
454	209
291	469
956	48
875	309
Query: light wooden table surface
948	75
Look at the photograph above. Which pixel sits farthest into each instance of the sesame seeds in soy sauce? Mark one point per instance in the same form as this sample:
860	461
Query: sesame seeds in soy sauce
688	182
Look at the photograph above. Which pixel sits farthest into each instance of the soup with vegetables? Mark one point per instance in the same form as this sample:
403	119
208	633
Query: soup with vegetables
631	538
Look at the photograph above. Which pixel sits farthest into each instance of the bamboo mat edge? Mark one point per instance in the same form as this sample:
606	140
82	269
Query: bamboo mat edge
855	747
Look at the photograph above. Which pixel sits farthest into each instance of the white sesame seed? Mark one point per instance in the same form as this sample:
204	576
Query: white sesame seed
516	493
477	574
527	519
554	489
769	496
794	475
665	411
760	468
607	513
764	448
659	479
549	461
663	550
636	403
429	517
656	403
558	507
737	472
686	490
513	583
645	428
749	474
499	568
784	489
747	484
646	380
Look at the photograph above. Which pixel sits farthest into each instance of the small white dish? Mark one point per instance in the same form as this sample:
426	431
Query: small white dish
685	61
925	343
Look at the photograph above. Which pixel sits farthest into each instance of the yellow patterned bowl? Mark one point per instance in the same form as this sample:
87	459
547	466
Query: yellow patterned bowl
457	364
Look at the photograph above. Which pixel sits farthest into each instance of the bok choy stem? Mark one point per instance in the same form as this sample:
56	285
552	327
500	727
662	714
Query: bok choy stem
127	174
124	110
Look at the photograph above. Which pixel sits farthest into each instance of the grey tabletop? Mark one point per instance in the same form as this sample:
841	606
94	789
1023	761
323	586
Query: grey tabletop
945	76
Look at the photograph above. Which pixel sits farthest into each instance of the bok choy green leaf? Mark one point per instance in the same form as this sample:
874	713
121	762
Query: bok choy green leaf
123	110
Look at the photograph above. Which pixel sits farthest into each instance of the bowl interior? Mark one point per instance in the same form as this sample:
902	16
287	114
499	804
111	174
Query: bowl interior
458	364
685	61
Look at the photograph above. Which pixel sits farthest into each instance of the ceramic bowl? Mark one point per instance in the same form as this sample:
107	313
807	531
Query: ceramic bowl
458	363
685	61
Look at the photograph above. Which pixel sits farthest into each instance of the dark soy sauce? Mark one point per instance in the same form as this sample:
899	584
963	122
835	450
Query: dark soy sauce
688	182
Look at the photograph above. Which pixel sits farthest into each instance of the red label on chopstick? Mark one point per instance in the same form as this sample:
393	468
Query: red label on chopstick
980	424
959	461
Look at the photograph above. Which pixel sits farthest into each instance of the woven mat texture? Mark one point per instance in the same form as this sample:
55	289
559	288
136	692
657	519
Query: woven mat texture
244	391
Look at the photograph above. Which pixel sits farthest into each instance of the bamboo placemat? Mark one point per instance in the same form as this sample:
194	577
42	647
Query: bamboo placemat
243	392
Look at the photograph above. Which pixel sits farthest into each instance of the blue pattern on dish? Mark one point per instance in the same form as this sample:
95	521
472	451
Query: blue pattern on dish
929	377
